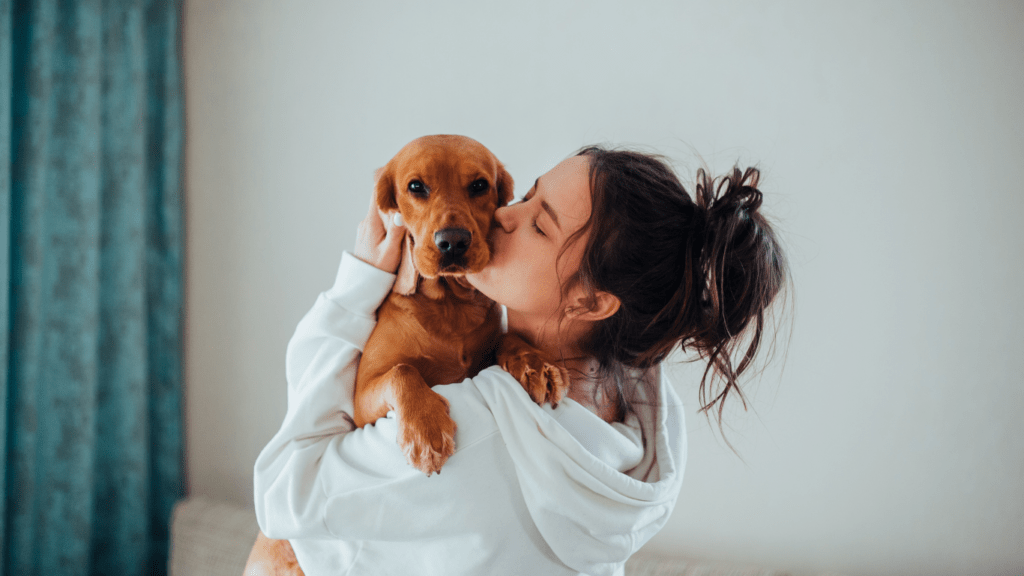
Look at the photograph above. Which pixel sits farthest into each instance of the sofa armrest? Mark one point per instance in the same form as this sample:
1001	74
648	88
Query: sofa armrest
210	538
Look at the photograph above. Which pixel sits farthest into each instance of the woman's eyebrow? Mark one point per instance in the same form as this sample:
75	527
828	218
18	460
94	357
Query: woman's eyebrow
547	207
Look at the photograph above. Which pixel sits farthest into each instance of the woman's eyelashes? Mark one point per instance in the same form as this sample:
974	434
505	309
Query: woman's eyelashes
534	223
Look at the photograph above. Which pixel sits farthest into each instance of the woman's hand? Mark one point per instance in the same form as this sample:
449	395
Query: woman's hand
379	239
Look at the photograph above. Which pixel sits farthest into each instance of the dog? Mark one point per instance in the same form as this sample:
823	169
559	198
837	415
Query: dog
434	328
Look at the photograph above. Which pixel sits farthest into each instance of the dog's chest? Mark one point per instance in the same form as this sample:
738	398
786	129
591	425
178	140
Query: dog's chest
456	338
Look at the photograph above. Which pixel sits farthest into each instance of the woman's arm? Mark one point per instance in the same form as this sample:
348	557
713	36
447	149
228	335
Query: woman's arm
320	367
321	362
319	476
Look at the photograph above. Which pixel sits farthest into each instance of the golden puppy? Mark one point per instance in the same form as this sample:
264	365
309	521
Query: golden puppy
434	328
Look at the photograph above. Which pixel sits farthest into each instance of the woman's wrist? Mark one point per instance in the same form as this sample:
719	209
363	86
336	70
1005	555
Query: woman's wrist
371	260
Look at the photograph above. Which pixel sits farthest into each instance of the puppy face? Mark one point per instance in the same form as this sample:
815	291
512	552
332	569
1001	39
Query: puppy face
446	188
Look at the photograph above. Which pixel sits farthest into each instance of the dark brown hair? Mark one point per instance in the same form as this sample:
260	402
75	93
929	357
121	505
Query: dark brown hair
695	272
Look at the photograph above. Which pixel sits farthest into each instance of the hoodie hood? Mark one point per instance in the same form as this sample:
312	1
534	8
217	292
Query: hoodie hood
584	480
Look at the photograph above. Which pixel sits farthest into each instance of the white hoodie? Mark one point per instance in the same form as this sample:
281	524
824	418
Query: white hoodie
529	490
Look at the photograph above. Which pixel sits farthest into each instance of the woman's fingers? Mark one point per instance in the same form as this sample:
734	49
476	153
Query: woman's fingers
391	244
375	218
379	239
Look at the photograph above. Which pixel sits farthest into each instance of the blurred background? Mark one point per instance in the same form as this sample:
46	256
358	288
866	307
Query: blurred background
163	245
891	141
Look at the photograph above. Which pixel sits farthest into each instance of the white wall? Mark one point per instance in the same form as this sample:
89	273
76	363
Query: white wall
891	140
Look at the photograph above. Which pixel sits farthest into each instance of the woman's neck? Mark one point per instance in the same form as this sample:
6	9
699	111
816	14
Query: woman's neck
559	342
593	391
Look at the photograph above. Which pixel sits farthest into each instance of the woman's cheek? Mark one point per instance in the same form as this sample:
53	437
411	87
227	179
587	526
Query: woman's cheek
493	279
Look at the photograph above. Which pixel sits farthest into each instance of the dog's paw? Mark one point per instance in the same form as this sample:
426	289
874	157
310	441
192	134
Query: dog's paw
542	379
426	434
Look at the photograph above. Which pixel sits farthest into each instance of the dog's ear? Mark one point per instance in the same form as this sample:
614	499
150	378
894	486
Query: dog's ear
385	184
407	277
505	185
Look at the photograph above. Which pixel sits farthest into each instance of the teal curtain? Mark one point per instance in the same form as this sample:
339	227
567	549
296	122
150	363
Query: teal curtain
91	134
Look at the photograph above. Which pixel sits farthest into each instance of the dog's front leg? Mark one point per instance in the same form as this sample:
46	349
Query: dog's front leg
426	431
542	379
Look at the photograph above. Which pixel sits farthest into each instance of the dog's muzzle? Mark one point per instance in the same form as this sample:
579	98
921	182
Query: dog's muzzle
453	244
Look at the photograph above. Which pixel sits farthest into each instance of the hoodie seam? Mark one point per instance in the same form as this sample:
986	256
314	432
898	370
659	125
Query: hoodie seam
478	440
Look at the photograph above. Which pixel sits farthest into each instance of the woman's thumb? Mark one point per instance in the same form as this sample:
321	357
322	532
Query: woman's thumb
395	232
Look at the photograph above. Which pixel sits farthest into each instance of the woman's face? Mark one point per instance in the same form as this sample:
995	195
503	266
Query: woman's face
522	273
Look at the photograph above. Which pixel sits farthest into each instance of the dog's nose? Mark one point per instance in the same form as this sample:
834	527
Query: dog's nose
453	241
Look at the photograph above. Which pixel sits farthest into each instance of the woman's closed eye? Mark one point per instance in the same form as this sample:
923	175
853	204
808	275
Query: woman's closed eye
537	228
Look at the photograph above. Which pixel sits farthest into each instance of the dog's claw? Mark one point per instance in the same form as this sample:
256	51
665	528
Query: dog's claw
542	379
427	437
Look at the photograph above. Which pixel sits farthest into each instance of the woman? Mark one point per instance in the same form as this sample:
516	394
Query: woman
606	265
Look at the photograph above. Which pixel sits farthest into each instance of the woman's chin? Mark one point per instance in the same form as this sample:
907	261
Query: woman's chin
475	280
478	280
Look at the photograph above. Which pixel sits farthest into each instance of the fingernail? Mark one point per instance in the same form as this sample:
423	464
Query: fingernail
398	220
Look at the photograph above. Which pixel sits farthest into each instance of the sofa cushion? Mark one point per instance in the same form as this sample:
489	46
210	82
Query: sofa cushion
643	565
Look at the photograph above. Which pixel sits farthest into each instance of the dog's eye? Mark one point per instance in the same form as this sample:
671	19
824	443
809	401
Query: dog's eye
416	188
478	187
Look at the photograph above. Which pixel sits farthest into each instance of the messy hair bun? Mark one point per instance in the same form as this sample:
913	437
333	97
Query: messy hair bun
699	274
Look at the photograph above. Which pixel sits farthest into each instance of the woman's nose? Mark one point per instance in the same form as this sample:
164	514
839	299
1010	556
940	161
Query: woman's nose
505	217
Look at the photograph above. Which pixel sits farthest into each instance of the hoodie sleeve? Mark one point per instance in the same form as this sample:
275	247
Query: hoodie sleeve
321	362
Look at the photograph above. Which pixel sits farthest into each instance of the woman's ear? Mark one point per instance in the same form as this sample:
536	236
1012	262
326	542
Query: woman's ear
505	185
601	306
385	186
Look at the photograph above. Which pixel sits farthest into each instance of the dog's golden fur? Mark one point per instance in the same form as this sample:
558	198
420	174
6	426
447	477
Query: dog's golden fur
441	330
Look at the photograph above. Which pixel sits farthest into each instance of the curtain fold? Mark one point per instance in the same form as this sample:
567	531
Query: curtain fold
92	292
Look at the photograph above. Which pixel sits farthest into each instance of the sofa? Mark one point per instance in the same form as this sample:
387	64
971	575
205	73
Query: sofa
212	538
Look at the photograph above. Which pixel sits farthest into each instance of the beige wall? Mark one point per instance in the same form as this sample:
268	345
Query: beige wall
890	140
